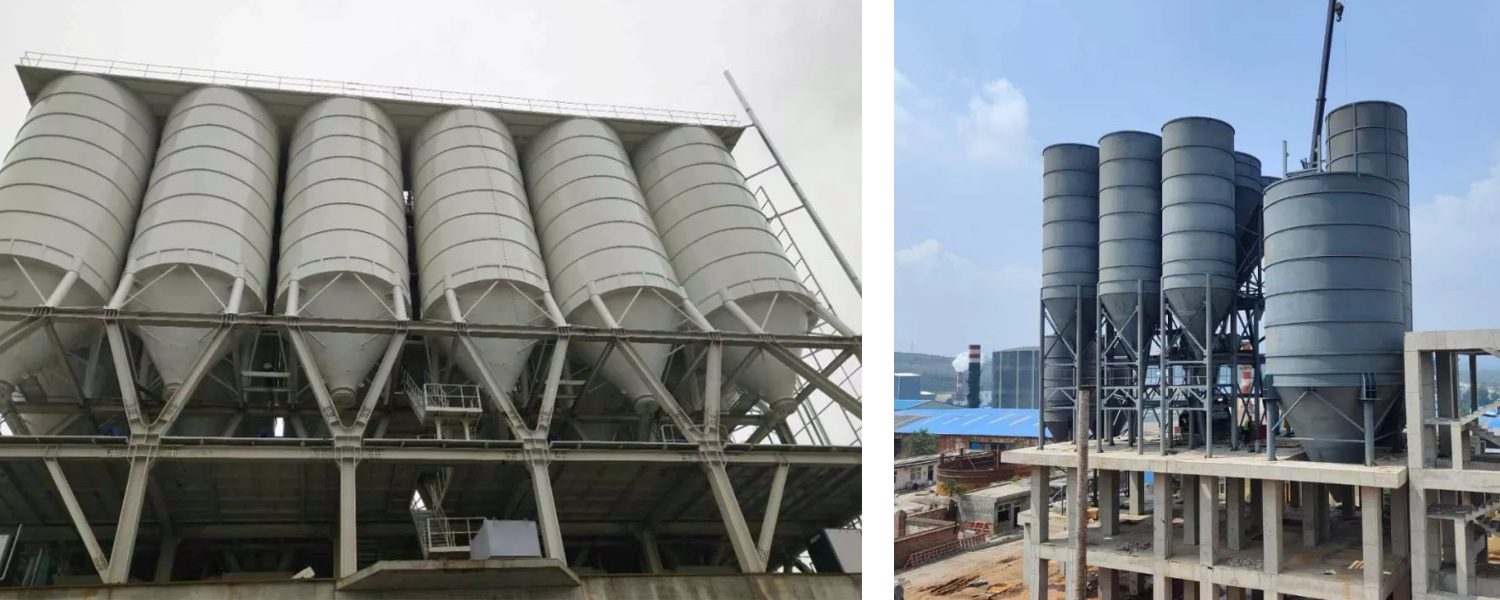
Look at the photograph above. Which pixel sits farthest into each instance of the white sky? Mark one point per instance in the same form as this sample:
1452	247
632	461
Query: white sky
799	62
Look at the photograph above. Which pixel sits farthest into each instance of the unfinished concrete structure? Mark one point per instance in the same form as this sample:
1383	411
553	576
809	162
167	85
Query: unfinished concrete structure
270	450
1455	481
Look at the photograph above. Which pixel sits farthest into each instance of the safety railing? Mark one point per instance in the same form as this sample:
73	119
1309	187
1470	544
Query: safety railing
348	88
441	536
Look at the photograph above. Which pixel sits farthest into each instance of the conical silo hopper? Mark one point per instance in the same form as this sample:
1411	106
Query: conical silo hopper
1070	271
343	235
1248	191
1198	222
70	190
203	239
1130	231
475	239
598	240
1370	137
722	251
1333	305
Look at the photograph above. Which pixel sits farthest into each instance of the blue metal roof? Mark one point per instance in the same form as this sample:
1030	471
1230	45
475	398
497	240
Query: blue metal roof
1001	422
905	404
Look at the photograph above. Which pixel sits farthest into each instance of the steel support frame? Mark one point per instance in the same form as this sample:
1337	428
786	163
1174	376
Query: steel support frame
150	440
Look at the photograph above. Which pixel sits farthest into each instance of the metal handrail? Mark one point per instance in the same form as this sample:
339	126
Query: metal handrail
365	90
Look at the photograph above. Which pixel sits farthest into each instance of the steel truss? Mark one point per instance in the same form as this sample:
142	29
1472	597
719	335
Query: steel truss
707	434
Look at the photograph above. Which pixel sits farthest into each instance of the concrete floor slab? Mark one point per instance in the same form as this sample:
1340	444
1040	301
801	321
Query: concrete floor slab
493	573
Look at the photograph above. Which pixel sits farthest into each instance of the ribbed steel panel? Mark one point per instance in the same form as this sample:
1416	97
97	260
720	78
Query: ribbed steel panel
1198	219
207	220
598	238
343	231
1370	137
1070	267
1333	301
475	235
719	245
1248	191
1130	227
70	190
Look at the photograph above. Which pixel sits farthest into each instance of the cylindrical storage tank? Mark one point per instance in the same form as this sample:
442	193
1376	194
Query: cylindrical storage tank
475	237
1198	221
1370	137
343	234
70	190
1333	304
721	250
1070	268
1130	231
206	223
598	240
1247	200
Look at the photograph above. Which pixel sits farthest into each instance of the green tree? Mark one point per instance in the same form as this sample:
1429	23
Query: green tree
920	443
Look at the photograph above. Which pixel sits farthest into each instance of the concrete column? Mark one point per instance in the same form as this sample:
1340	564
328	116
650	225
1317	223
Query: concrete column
346	551
1137	493
1463	558
130	521
1310	494
1038	575
1235	593
1296	493
1325	527
1190	591
1109	502
1161	585
166	558
1370	540
1256	493
1109	584
1208	520
1271	501
1207	590
1189	509
1419	550
1040	492
1161	520
1234	498
1400	522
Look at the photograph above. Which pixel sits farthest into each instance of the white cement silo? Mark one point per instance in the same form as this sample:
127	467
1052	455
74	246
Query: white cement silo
70	190
477	252
203	238
731	265
343	235
600	245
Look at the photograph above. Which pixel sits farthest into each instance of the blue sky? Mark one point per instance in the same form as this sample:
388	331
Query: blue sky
982	87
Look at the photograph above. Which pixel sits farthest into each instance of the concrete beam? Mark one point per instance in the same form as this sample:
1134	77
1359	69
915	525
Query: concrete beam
1387	473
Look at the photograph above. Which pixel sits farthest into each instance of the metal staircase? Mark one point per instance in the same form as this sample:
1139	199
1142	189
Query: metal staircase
452	409
440	536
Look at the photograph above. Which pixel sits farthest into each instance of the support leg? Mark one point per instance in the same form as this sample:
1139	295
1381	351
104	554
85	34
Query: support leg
348	538
734	518
546	511
130	521
166	559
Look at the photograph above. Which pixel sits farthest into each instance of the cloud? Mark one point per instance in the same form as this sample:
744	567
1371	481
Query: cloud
922	254
1451	236
990	125
997	123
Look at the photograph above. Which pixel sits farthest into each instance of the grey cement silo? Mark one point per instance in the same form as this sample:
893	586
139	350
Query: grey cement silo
1248	191
203	239
70	190
1333	303
343	234
1070	269
1370	137
598	240
1198	221
722	251
1130	230
475	238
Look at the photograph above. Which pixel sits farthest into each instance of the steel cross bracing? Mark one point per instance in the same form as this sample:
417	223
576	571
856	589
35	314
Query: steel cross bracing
525	418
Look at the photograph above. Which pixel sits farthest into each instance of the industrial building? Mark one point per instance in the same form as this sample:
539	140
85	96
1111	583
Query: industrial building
1014	375
1245	343
317	338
